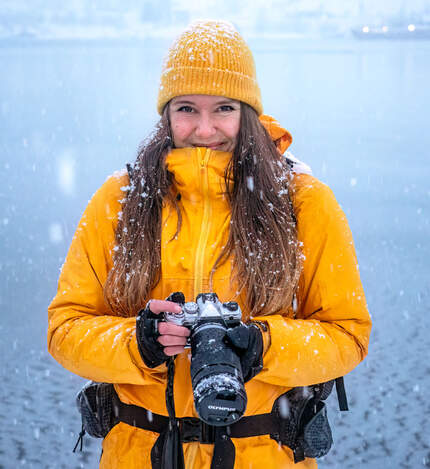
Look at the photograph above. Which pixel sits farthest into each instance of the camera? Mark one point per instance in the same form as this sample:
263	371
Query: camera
216	373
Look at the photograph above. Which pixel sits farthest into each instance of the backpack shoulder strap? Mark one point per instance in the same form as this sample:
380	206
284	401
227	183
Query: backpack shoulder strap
341	394
321	392
129	170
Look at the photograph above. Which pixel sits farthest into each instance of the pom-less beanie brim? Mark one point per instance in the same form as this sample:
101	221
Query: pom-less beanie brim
210	58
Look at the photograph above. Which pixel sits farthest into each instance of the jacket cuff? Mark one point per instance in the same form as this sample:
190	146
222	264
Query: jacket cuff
265	332
138	361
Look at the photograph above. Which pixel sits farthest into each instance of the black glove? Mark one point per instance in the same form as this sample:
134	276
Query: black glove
151	351
247	342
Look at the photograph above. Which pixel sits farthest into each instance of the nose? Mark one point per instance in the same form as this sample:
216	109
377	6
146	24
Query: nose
205	127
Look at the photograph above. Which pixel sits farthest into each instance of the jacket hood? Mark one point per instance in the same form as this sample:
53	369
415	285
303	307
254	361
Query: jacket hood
281	136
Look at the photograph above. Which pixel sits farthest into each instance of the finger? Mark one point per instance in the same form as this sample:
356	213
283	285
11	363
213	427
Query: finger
172	329
170	351
159	306
172	340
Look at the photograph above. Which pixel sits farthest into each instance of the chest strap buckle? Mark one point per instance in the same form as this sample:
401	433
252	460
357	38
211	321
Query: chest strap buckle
194	429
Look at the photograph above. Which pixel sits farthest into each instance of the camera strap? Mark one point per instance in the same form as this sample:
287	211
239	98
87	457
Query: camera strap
167	452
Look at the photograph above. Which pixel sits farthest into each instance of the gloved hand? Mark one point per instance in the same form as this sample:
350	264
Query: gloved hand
247	341
156	337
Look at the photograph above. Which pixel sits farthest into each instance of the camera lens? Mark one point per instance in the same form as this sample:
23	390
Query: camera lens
216	374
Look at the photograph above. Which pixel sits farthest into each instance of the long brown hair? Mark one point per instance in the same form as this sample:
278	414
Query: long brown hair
262	238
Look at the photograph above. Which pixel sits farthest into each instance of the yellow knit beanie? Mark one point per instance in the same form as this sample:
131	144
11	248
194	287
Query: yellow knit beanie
210	57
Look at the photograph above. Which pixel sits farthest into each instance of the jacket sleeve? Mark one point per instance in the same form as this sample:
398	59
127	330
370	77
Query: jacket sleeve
330	332
83	336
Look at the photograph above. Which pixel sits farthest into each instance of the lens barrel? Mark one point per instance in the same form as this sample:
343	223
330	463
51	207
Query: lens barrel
216	375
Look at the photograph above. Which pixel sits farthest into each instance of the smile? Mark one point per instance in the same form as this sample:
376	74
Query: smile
212	146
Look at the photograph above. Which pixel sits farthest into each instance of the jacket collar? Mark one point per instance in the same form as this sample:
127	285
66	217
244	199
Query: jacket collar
199	172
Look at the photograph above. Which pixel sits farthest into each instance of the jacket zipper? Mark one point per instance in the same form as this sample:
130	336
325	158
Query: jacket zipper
205	226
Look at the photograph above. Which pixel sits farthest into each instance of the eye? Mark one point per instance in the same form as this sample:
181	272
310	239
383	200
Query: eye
226	108
185	109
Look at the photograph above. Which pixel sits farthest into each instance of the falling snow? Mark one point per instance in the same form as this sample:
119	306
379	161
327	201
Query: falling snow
59	143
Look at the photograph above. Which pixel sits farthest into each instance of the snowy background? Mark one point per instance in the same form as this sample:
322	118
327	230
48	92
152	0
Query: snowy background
73	111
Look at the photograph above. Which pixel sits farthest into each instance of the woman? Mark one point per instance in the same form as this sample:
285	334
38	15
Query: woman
211	205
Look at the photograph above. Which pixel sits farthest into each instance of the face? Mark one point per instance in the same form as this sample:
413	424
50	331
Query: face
204	121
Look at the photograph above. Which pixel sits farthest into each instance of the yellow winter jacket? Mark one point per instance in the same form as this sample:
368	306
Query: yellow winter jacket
327	339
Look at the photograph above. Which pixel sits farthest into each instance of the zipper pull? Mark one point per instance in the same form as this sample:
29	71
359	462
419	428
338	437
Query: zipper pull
205	159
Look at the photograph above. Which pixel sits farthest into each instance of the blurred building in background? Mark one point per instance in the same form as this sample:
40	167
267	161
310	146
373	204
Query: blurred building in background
110	19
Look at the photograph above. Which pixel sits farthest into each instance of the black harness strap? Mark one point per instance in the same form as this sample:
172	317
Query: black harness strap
254	425
139	417
189	429
167	451
192	428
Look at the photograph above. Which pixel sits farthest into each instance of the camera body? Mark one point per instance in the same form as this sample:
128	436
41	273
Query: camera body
216	373
206	309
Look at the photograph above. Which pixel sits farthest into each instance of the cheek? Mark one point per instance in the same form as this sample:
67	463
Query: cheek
232	129
180	131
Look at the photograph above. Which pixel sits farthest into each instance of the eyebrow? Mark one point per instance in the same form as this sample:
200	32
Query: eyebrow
222	101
